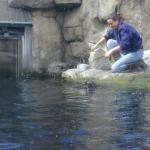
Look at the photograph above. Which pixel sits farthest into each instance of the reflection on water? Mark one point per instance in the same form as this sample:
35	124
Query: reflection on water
130	118
48	115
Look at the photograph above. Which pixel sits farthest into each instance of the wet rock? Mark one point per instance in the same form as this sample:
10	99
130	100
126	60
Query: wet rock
99	76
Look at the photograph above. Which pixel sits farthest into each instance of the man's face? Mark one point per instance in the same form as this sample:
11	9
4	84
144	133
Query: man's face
113	24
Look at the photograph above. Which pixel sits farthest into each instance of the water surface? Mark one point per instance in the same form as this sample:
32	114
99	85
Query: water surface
50	115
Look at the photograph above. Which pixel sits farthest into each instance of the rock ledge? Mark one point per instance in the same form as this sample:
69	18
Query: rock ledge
140	79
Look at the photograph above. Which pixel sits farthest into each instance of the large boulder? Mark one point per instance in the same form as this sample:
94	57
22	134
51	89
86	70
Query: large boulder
98	61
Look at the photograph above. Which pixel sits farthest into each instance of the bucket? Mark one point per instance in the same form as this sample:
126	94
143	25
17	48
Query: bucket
83	67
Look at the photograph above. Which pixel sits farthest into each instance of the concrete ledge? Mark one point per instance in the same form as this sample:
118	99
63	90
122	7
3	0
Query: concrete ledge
31	4
67	3
42	4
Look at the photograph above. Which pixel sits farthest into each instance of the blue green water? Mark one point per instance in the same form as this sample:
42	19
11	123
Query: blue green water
51	115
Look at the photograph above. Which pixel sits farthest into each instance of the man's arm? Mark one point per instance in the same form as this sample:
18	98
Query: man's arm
112	51
98	44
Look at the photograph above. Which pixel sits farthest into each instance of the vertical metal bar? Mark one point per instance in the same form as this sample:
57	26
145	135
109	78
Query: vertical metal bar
19	57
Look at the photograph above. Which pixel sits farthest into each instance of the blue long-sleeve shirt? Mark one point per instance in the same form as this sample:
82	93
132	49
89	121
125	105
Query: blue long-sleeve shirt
127	37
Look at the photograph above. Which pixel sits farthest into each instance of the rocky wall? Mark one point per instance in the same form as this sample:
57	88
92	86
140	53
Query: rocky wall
63	28
47	41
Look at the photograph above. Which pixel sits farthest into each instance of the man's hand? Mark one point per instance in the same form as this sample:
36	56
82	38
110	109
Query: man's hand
112	51
108	54
96	46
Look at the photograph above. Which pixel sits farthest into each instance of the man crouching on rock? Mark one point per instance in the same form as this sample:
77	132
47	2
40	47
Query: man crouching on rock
122	38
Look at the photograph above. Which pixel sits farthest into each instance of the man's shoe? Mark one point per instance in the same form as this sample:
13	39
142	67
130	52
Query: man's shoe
136	65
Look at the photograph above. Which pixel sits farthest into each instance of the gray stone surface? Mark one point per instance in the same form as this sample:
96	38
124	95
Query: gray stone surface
12	15
101	75
34	4
31	3
47	38
105	9
76	52
147	6
79	25
141	79
98	61
67	3
73	33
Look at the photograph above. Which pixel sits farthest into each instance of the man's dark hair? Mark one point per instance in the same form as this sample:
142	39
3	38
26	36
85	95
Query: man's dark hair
114	17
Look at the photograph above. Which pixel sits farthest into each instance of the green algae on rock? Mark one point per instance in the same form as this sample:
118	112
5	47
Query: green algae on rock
137	79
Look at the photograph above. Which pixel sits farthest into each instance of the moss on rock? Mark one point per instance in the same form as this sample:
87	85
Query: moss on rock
137	79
